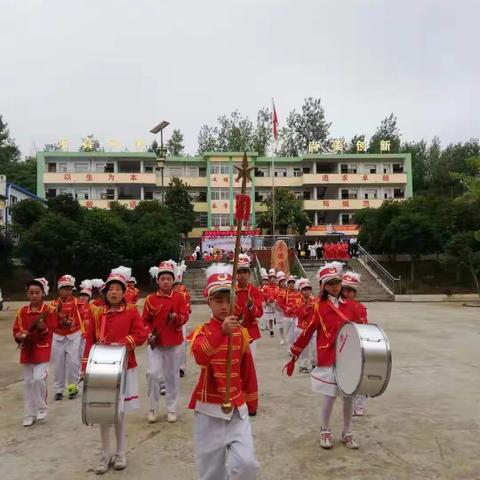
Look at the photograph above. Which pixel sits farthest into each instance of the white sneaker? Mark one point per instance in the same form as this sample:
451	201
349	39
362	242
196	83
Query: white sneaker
120	461
349	441
152	416
105	462
326	439
28	421
171	417
42	415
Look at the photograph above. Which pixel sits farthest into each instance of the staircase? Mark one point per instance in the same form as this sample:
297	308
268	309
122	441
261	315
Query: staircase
370	289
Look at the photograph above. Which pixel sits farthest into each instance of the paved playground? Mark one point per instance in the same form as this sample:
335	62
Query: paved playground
426	425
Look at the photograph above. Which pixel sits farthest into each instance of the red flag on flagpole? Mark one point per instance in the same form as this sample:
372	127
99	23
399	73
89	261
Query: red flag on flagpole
274	122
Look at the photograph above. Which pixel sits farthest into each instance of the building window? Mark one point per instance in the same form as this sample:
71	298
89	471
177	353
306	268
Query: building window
370	194
398	193
220	220
219	194
148	168
192	171
387	168
346	218
81	167
280	172
103	167
306	170
62	167
261	171
13	200
177	172
297	171
106	194
82	193
201	220
219	169
202	171
397	168
148	195
370	168
52	167
307	194
51	193
348	168
348	193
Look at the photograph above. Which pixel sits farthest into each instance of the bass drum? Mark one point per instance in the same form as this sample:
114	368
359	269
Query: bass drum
363	360
104	385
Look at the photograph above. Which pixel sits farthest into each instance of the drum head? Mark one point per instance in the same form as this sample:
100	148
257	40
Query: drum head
349	359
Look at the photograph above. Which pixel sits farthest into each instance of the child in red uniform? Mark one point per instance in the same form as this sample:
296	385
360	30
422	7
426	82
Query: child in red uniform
330	313
178	286
263	319
288	305
132	293
304	313
224	442
66	338
85	310
97	286
117	323
164	314
350	284
270	294
249	302
33	331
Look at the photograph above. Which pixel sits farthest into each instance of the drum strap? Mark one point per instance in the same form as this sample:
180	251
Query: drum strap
338	312
103	325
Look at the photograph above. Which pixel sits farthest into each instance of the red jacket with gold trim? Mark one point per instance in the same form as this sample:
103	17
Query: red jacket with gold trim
67	310
123	326
250	315
86	314
37	347
179	287
131	295
157	315
98	302
270	292
209	347
304	311
326	322
361	311
289	302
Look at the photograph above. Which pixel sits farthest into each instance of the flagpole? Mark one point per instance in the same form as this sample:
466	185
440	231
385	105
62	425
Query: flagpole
275	134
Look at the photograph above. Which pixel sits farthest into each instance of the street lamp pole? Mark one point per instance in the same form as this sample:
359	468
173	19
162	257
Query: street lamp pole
160	153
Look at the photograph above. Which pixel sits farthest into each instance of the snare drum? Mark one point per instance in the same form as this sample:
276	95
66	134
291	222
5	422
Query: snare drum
363	360
104	385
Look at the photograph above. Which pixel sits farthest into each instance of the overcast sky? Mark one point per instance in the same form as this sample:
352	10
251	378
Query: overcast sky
118	67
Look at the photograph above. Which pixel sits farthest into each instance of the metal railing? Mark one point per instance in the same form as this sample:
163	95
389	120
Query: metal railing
392	283
298	264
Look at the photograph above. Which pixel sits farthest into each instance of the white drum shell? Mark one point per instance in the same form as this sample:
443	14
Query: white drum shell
363	360
104	385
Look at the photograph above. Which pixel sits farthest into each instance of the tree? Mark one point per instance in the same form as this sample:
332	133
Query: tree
289	213
65	205
262	136
175	145
420	164
387	130
470	183
9	152
90	144
464	249
6	248
303	128
179	202
26	213
352	146
207	139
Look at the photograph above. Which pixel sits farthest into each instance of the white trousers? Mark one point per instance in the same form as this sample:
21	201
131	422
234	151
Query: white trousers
308	356
253	348
290	326
164	365
65	360
35	380
105	435
81	348
224	448
183	362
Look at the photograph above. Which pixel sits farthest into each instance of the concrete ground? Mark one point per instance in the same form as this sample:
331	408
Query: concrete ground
425	426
